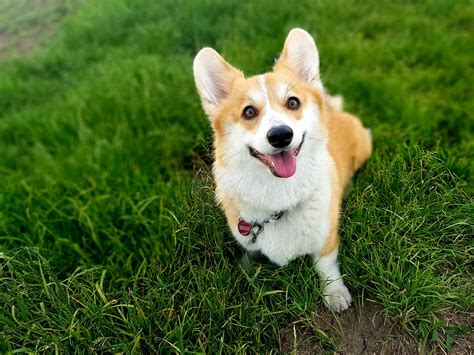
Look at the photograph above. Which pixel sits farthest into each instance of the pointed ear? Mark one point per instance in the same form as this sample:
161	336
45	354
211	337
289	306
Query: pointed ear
300	55
214	78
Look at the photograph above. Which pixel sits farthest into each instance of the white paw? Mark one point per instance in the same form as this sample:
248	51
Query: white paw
336	297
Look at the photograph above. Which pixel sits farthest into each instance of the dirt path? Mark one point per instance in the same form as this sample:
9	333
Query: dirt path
26	24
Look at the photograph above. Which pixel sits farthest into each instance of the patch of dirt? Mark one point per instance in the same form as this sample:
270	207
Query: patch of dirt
26	25
459	327
362	331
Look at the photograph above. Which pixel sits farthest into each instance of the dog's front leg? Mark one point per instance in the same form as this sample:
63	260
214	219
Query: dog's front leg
335	294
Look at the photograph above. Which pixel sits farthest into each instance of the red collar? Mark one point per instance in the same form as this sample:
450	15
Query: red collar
255	228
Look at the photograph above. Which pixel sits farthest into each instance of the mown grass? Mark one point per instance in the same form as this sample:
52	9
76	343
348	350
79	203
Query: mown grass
109	234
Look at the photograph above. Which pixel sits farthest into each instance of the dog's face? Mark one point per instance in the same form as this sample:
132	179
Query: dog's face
266	118
262	124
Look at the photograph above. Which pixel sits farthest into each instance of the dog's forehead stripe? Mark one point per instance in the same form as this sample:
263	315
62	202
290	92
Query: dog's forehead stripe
261	80
280	89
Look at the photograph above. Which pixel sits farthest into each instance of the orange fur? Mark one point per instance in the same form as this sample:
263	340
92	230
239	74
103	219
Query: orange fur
230	207
350	145
332	240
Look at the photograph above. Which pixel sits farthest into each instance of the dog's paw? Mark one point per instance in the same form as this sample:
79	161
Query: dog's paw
337	297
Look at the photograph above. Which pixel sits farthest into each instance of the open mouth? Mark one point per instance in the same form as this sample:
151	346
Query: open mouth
281	164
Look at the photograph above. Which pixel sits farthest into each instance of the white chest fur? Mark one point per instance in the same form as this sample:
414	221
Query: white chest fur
302	230
304	227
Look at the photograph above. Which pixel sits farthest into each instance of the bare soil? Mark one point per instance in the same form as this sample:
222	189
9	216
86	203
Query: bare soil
25	25
367	331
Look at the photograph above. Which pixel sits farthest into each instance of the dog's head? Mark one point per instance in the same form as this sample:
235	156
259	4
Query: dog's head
264	123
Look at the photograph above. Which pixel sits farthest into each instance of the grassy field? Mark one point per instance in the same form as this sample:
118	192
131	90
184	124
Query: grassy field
109	236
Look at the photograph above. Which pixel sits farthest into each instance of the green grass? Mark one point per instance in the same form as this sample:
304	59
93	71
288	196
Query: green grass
109	236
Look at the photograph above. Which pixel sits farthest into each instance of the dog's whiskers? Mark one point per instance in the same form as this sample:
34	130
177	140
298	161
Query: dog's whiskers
227	158
318	140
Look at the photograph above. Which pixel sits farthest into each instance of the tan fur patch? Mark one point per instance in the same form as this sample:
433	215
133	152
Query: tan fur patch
230	208
332	240
349	144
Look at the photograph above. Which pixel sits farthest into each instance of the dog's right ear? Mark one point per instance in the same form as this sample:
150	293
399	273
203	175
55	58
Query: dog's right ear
300	55
214	78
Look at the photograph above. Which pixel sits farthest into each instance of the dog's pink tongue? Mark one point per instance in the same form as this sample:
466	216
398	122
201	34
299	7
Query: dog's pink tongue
284	163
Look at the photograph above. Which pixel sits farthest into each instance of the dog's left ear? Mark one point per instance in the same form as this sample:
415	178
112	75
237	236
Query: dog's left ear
300	55
214	79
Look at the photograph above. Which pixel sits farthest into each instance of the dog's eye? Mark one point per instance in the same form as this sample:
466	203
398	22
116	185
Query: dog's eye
249	112
293	103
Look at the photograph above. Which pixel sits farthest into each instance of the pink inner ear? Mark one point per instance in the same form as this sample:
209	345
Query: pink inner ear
214	78
305	63
301	55
304	72
221	90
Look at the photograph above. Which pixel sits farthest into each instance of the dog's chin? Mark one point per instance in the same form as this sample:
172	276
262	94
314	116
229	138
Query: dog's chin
281	164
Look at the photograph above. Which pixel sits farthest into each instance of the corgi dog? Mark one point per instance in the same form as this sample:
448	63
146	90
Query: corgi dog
284	151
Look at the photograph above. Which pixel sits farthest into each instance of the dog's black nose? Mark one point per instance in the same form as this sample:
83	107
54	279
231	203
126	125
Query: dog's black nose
280	136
